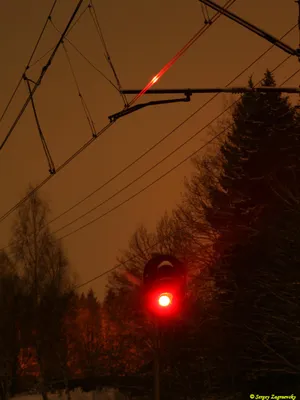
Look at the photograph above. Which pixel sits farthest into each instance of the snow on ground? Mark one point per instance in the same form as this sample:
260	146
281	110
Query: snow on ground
105	394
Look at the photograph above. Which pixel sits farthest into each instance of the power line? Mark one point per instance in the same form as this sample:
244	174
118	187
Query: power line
82	100
44	70
29	61
85	58
80	150
140	157
170	133
71	28
153	167
43	140
107	55
62	166
260	32
180	53
121	264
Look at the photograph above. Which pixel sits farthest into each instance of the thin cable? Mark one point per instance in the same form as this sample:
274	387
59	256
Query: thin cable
207	13
153	167
144	189
62	166
43	140
75	23
81	149
153	246
152	183
107	55
82	100
86	59
292	76
44	70
29	61
171	132
191	155
43	30
204	10
180	53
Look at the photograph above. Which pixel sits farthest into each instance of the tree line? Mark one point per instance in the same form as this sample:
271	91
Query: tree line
237	230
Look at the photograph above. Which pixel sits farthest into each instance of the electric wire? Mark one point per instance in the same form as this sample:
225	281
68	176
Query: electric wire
41	184
43	140
58	169
71	28
171	132
107	55
82	100
152	168
228	4
158	179
292	76
29	61
85	58
44	70
123	263
4	216
205	13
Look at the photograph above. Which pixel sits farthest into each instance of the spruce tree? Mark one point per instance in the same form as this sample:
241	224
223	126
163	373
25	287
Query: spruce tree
248	210
254	148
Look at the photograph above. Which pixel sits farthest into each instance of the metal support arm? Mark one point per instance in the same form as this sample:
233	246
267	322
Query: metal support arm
272	39
234	90
130	110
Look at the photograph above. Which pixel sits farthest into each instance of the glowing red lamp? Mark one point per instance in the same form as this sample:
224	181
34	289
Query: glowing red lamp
165	299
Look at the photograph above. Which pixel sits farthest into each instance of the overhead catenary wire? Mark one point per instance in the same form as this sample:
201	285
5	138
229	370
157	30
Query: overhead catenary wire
39	81
95	19
58	169
18	204
147	172
123	263
43	140
205	14
29	61
82	100
85	58
165	174
62	166
69	31
169	133
228	4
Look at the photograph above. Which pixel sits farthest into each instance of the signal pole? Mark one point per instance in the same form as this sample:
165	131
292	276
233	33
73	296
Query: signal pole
156	365
298	1
164	283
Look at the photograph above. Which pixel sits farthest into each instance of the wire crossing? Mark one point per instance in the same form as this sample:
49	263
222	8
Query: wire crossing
44	70
180	53
81	149
159	162
23	200
29	61
83	102
71	28
189	157
175	129
84	57
107	56
43	140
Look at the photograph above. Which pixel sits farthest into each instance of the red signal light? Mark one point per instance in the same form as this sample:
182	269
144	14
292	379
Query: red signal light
165	299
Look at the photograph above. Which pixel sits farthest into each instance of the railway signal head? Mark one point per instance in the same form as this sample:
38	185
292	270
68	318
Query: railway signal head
164	286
